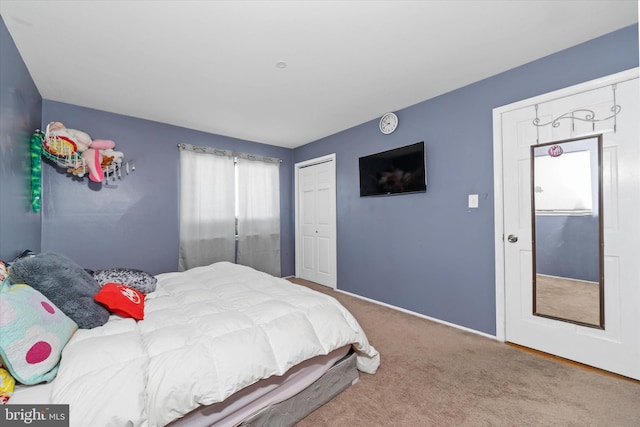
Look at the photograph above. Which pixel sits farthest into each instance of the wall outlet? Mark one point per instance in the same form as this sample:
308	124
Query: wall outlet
473	200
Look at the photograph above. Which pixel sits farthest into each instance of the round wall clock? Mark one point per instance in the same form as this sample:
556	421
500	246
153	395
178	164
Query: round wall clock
388	123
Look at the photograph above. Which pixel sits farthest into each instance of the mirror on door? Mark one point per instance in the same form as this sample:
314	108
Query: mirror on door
568	281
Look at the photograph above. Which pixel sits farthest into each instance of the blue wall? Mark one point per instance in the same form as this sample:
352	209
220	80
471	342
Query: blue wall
20	114
136	224
569	248
428	252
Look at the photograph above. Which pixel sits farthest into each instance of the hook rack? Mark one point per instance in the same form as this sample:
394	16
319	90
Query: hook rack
581	114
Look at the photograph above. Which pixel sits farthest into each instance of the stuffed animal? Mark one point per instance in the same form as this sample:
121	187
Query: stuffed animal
61	141
106	161
7	384
115	157
74	144
4	271
92	159
78	171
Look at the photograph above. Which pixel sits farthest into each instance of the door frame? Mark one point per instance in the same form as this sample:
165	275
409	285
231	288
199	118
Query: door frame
498	178
329	158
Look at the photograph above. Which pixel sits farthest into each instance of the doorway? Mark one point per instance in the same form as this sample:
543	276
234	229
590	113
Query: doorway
607	108
315	220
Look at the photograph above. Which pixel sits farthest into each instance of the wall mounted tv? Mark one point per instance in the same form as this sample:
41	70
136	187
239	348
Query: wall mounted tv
397	171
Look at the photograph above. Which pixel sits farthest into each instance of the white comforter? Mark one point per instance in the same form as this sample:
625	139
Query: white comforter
207	333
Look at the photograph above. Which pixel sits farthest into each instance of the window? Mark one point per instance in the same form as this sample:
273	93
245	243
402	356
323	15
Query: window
563	185
229	209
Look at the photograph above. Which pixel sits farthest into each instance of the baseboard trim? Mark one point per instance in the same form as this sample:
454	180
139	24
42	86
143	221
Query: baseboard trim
413	313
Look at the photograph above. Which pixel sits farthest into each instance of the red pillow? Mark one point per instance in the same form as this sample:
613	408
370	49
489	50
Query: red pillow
122	300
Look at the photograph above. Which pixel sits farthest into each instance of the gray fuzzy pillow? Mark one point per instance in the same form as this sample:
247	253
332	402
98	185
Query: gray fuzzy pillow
136	279
65	283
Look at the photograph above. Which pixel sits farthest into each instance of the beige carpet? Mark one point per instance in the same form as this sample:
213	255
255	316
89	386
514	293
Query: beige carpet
568	299
436	375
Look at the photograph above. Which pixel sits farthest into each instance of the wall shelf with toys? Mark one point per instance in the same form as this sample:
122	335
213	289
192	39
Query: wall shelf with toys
79	154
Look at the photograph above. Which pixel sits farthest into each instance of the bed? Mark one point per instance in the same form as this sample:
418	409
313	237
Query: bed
221	345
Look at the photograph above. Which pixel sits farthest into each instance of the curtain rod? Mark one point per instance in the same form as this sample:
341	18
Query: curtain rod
228	153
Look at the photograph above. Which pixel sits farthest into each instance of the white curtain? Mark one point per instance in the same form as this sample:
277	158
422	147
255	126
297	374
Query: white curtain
259	213
207	207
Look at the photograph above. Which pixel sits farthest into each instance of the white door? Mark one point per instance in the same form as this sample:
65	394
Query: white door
615	348
316	221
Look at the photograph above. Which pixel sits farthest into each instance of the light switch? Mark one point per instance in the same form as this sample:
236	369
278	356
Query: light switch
473	200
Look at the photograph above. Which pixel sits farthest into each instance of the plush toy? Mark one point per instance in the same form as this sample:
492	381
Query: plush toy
91	158
7	384
106	161
4	271
114	158
78	171
61	141
87	155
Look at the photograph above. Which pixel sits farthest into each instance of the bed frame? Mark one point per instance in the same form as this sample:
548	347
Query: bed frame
287	413
281	401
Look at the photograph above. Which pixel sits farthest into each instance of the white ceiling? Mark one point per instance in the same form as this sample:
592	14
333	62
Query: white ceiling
211	65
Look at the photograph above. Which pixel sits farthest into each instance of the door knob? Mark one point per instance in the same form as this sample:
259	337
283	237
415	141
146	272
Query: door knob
512	238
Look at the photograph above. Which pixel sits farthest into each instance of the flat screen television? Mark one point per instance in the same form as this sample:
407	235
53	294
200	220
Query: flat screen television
397	171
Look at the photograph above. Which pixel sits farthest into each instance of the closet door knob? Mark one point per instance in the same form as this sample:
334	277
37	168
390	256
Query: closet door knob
512	238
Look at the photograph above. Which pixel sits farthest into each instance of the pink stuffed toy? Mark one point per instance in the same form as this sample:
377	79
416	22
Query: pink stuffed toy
93	158
103	144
